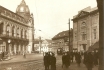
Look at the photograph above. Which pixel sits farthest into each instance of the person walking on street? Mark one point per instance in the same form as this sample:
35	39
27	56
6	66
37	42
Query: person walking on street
78	58
53	62
46	61
89	61
63	60
66	61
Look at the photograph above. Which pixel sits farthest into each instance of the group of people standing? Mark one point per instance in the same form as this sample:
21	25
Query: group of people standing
50	61
89	59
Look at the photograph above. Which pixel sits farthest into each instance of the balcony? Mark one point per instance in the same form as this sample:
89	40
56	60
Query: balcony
6	36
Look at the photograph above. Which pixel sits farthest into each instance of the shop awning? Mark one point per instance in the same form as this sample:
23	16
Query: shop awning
94	47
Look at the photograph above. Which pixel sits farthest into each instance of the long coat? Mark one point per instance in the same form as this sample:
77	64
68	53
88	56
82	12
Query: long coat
89	60
67	60
46	60
53	62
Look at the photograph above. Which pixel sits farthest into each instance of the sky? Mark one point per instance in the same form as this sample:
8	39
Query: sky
51	16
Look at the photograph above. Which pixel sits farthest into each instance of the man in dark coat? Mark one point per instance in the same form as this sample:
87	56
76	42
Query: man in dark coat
85	57
46	61
63	60
78	58
89	61
95	58
53	62
67	60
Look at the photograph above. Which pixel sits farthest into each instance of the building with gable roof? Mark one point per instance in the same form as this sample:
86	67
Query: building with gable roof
61	40
16	30
85	28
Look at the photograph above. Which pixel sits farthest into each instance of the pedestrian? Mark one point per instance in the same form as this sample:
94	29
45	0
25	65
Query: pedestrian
89	61
24	55
66	61
63	60
53	62
78	58
95	58
46	61
85	58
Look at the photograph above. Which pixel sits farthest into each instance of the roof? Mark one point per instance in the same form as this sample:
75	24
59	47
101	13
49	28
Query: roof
62	34
86	11
49	41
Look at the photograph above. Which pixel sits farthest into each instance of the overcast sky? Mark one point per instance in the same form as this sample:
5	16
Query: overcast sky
51	16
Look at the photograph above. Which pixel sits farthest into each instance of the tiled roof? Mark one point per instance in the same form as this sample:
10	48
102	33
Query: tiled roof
49	41
62	34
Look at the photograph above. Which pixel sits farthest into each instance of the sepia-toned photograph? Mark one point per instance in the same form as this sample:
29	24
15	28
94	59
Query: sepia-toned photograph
51	35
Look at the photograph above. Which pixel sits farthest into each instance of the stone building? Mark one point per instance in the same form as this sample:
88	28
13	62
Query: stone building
61	40
16	30
85	28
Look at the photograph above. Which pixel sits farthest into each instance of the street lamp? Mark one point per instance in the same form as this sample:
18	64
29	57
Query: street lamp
9	40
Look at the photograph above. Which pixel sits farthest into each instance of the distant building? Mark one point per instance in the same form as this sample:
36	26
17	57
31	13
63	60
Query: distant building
41	46
16	30
85	28
61	40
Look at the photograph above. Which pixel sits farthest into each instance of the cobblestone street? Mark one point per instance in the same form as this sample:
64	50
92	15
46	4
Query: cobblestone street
35	62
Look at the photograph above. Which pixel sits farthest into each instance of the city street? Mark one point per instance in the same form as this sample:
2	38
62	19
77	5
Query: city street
35	62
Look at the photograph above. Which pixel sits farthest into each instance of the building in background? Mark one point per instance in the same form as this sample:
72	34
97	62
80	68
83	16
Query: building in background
61	40
41	46
85	28
16	30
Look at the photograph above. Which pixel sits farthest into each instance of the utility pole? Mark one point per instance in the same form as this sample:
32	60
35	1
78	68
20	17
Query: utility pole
40	43
69	35
101	34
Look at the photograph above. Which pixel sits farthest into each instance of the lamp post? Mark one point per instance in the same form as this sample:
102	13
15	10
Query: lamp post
9	55
40	43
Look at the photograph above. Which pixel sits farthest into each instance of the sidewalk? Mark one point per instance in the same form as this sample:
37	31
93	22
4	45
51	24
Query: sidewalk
20	58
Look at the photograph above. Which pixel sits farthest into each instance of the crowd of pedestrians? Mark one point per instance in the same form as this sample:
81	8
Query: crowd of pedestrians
89	59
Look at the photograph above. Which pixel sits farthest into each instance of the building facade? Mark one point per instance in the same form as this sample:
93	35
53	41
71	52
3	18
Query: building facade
61	40
85	28
16	30
42	46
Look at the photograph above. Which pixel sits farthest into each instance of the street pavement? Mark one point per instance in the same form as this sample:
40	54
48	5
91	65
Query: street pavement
35	62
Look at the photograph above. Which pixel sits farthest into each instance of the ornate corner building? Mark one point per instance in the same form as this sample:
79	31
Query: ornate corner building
85	28
16	30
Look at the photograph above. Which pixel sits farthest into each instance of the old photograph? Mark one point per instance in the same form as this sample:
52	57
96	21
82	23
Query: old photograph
51	35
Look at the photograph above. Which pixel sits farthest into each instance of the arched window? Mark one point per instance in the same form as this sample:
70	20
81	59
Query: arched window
22	33
8	30
13	31
25	34
84	30
1	28
17	32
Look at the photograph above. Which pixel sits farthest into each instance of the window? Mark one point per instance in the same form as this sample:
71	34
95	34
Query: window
26	34
75	36
13	31
94	33
83	36
17	32
8	30
22	33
